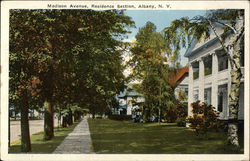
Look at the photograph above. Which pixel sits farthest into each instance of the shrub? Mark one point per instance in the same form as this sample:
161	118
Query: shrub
120	117
204	118
170	115
182	110
181	121
178	111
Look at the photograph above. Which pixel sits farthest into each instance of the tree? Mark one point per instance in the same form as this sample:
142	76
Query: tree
231	40
23	78
149	65
54	57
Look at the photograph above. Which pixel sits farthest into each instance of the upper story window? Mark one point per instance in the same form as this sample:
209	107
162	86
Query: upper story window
208	65
222	61
195	67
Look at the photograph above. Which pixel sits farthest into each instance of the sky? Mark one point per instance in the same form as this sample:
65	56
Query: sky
161	19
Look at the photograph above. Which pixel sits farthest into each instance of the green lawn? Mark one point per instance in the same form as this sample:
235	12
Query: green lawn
38	145
110	136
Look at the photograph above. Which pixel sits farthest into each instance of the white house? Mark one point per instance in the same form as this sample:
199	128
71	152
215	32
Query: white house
129	101
181	81
209	76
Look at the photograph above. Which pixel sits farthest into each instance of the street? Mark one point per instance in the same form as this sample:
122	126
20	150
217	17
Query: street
35	126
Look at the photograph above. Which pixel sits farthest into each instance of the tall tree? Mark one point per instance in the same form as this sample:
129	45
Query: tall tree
23	78
58	50
149	65
232	42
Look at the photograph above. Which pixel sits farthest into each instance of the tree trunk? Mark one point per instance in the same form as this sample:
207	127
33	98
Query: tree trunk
234	94
93	112
93	115
49	121
25	132
70	119
64	121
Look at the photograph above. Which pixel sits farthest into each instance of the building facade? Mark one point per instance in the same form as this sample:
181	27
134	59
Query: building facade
209	77
129	102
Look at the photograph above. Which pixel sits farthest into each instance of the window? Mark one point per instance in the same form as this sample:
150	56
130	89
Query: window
220	102
186	92
195	67
208	65
207	96
222	62
196	95
222	97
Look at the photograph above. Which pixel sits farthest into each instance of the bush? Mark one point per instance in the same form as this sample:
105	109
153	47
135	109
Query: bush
170	115
181	121
182	110
204	118
120	117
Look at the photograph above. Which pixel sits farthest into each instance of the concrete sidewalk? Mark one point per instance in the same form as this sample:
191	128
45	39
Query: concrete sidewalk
77	142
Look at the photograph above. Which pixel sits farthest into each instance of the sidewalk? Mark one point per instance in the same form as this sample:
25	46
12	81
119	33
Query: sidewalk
77	142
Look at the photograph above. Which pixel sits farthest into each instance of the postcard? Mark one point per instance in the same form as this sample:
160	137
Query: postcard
125	80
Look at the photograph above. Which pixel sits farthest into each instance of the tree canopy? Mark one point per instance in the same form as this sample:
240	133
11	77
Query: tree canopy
65	57
149	65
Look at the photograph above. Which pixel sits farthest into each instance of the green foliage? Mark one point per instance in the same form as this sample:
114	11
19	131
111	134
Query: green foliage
182	96
182	109
66	57
170	115
181	121
149	66
57	54
204	118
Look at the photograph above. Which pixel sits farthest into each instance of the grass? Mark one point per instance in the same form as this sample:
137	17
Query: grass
39	145
116	137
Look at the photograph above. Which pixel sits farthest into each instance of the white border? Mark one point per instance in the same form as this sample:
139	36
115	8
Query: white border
175	5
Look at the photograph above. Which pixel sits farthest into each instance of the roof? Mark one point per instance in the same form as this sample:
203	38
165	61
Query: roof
129	92
190	52
177	75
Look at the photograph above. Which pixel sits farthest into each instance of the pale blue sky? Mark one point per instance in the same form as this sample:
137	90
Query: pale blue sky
161	18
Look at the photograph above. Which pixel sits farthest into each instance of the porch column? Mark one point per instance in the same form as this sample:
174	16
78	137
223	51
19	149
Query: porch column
214	94
190	89
201	80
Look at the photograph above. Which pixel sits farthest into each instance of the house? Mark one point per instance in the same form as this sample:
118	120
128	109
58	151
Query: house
129	102
179	82
209	77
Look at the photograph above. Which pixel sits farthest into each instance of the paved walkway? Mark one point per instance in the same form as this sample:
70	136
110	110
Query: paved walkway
77	142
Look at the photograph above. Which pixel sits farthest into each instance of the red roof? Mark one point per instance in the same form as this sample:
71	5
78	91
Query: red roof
177	75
